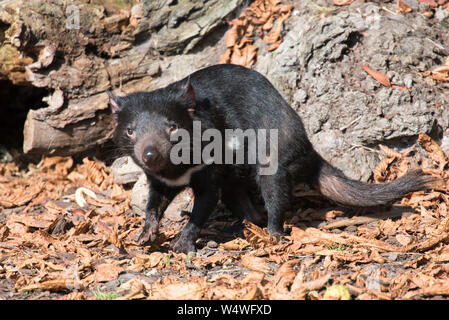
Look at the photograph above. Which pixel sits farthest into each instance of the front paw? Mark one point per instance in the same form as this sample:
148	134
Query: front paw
148	234
277	233
183	246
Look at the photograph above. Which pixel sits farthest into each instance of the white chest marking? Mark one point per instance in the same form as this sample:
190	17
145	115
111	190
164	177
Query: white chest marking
184	179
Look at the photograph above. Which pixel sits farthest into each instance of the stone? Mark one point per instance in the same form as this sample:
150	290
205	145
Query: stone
125	170
139	195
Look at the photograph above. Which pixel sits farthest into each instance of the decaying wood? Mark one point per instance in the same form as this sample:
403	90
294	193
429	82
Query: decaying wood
116	44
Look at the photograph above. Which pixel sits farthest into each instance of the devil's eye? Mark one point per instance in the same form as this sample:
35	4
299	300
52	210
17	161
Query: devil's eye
129	132
172	127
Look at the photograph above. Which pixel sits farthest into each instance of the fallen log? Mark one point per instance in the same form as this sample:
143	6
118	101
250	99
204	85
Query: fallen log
77	50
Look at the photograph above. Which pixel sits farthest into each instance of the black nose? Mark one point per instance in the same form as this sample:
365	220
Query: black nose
150	156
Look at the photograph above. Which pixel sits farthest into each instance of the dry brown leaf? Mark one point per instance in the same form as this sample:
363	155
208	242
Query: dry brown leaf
431	3
275	33
261	19
256	263
425	245
4	232
440	73
59	166
92	174
356	220
20	193
441	69
403	6
275	45
214	260
402	168
269	24
381	168
378	76
389	152
349	239
238	244
137	289
300	289
245	56
75	295
255	20
226	57
397	86
243	43
441	288
440	76
332	214
301	237
154	259
225	286
232	37
435	151
283	278
106	272
376	257
118	193
403	239
54	285
388	227
257	236
177	290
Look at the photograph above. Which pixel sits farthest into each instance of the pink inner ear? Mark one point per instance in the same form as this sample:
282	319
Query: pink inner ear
115	108
189	94
191	110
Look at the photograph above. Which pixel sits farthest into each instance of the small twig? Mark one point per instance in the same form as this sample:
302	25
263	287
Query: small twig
435	44
389	11
353	146
350	123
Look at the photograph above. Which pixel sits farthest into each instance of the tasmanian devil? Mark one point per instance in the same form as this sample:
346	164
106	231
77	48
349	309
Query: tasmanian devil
223	98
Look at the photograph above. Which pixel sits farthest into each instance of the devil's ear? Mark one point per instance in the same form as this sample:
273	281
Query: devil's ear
187	97
114	102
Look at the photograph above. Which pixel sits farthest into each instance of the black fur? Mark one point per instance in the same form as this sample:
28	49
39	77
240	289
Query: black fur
232	97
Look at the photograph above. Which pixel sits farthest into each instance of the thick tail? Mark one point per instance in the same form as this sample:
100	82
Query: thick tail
333	184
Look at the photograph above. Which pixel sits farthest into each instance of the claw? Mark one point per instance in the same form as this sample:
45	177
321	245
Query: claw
278	234
148	234
184	247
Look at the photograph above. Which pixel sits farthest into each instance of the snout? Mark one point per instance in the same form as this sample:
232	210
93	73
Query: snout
151	157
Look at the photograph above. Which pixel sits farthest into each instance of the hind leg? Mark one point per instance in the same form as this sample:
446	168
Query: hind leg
275	191
258	203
